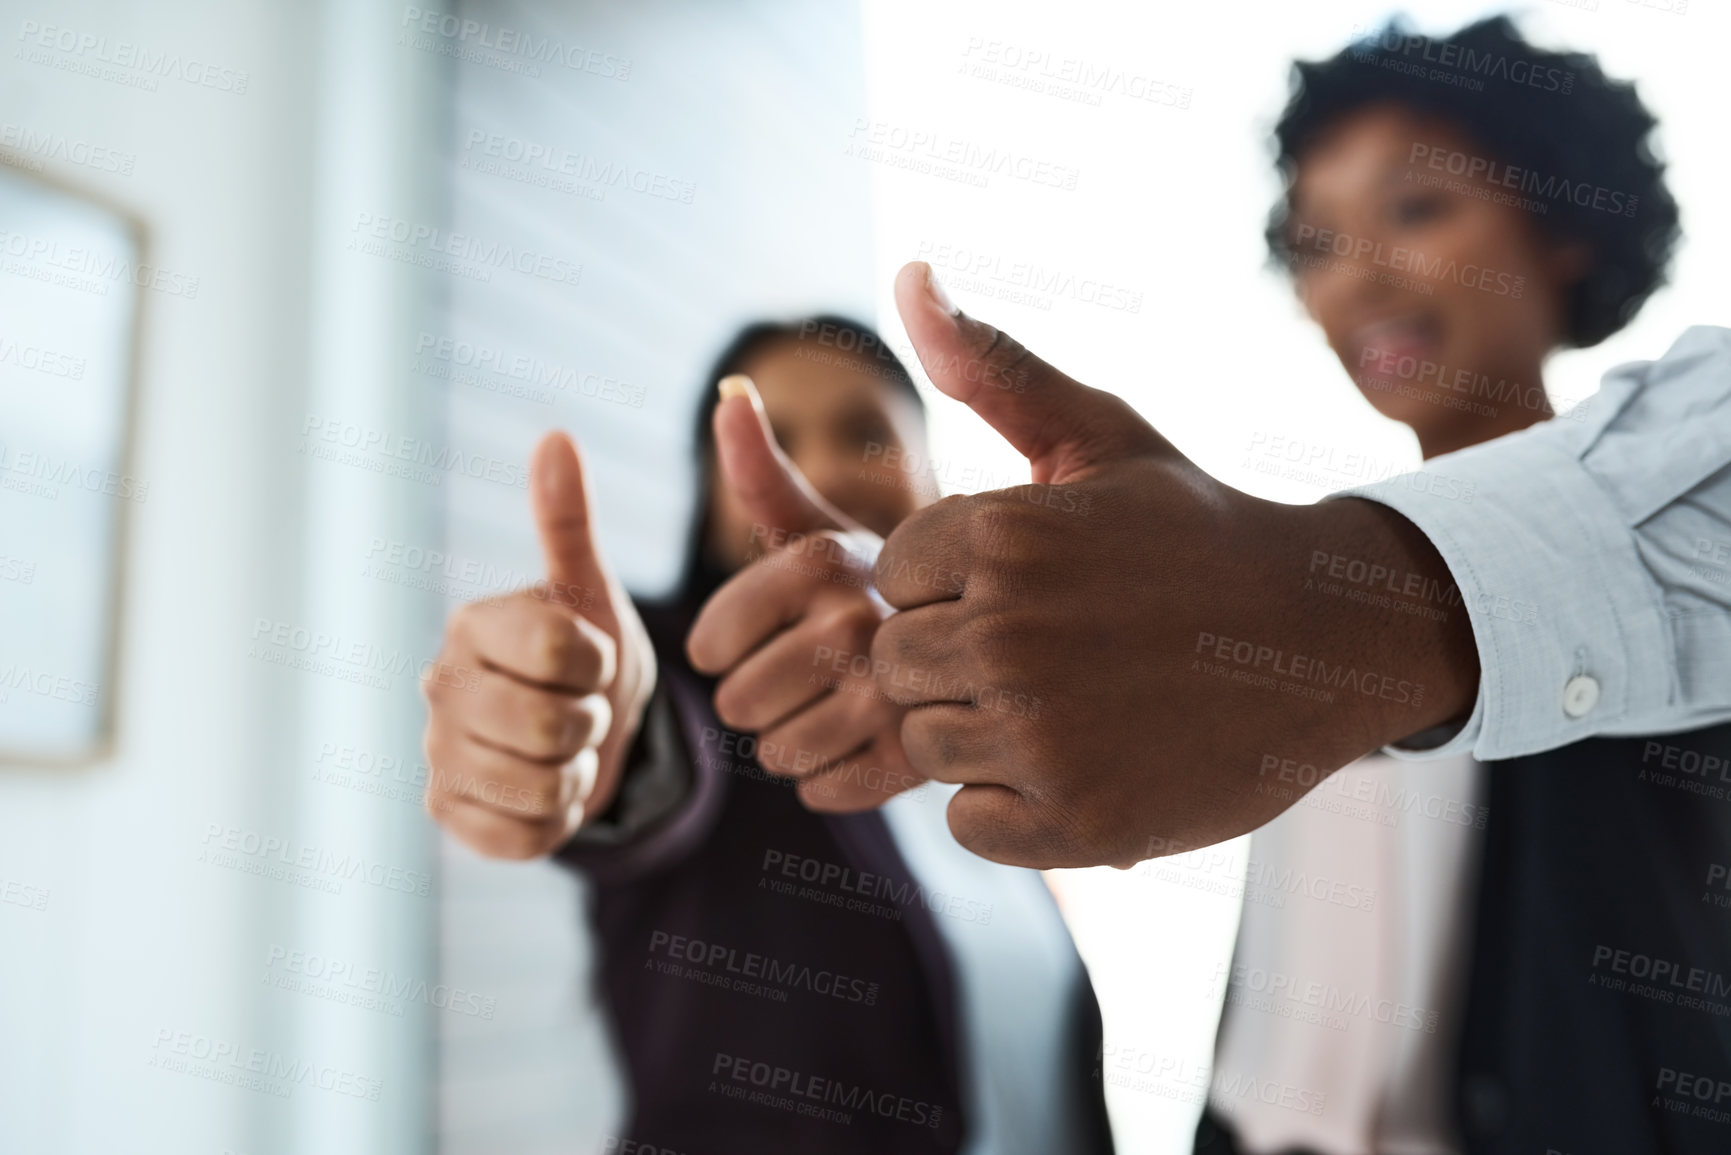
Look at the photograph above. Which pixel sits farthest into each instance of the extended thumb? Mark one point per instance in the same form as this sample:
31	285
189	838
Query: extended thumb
562	518
772	489
1060	425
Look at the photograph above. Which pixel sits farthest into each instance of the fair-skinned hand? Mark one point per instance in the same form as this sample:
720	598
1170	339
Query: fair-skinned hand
566	672
790	634
1131	639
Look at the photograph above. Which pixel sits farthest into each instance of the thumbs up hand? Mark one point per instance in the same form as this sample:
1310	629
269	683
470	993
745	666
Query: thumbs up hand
790	635
1130	644
567	669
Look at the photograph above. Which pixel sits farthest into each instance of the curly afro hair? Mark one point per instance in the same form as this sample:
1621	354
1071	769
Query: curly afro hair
1556	115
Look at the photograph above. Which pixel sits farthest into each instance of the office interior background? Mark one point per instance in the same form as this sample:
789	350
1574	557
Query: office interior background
256	269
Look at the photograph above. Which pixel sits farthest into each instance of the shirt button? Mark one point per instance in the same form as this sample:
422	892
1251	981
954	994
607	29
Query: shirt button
1580	695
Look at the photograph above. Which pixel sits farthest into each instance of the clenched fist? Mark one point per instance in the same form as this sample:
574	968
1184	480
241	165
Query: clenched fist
1129	639
566	670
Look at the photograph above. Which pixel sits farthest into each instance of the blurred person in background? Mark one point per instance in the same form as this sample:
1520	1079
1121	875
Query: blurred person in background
1428	958
785	965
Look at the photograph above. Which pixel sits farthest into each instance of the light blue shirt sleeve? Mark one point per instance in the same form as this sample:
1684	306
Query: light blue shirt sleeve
1593	557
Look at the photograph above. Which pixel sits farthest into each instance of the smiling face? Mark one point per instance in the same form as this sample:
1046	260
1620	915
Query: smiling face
848	429
1441	300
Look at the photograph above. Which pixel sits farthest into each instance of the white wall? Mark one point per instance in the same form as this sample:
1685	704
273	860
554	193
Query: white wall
140	936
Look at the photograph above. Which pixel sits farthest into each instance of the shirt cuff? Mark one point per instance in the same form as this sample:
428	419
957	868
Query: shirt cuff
1569	625
656	782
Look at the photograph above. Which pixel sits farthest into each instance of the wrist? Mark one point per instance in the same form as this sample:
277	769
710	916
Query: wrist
1375	582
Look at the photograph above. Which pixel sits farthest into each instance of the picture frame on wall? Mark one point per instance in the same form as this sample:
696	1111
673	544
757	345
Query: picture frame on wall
73	269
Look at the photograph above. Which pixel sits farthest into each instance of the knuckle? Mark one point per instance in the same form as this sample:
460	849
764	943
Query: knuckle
437	743
700	646
889	643
850	626
730	702
433	688
592	718
461	623
531	802
515	838
545	724
600	657
553	646
998	358
991	524
993	638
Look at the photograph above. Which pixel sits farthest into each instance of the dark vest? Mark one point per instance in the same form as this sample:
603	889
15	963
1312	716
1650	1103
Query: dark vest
1598	1017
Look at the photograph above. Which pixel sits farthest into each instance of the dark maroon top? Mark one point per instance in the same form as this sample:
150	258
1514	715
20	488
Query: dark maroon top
762	995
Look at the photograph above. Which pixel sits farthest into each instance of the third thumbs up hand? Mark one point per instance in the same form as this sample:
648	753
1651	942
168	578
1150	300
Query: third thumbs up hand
1131	641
